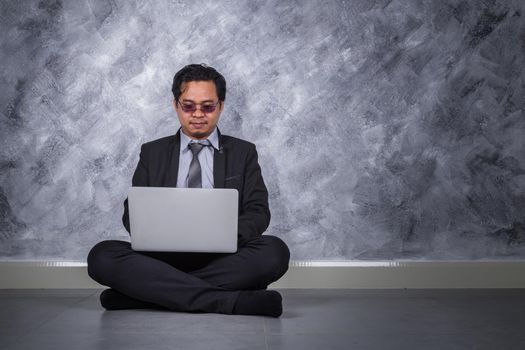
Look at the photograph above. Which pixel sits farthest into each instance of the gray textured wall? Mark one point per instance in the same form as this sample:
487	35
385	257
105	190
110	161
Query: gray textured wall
386	129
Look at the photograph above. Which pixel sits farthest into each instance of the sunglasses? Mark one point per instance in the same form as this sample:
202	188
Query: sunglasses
190	107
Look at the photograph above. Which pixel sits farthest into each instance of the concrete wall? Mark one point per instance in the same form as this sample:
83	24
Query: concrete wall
386	129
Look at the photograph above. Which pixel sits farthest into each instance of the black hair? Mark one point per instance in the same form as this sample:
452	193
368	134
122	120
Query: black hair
198	72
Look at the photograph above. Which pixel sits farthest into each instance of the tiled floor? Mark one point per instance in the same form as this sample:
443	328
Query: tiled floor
313	319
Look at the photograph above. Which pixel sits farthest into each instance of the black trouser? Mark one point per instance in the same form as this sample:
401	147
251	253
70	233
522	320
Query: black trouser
193	282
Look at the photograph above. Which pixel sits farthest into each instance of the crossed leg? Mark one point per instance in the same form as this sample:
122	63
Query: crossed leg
187	281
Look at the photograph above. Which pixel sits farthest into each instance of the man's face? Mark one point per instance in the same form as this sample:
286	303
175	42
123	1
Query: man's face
200	94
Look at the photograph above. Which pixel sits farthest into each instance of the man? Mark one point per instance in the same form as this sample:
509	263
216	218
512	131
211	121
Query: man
198	282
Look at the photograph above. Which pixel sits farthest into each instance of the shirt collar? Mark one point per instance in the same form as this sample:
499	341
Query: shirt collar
185	140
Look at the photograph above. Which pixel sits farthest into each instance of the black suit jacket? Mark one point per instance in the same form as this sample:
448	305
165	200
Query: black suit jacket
234	166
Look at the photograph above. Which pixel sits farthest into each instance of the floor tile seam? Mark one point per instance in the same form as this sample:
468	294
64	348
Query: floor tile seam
394	333
181	316
156	332
402	293
47	291
44	297
265	332
266	346
419	299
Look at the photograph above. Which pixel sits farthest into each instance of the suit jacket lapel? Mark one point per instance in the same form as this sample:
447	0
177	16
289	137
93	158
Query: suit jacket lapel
219	164
173	169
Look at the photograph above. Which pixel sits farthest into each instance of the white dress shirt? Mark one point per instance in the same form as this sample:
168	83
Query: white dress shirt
205	159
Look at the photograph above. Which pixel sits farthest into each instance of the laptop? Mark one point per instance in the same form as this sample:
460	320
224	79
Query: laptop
171	219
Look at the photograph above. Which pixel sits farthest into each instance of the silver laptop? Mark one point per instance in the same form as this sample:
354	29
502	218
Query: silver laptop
183	219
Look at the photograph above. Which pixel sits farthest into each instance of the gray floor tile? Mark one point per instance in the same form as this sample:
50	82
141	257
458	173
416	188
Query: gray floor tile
30	313
10	337
47	293
26	314
89	316
456	341
312	319
350	312
140	341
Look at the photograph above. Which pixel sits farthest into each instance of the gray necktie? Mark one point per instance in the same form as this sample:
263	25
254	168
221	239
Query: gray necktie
194	174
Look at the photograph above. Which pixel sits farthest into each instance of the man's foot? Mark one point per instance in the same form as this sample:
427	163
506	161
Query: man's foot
113	300
259	302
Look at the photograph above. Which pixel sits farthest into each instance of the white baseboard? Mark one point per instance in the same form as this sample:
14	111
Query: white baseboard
305	274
